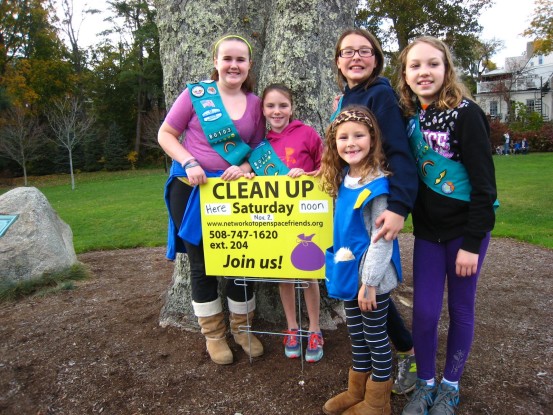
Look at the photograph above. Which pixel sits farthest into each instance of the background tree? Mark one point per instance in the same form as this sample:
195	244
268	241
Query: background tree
141	68
396	22
32	66
33	69
400	21
20	138
115	152
477	59
70	123
293	42
541	27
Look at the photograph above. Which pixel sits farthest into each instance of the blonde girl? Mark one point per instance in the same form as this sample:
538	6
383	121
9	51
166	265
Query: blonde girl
452	218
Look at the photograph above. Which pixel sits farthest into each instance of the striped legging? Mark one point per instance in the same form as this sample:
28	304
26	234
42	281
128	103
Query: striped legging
370	346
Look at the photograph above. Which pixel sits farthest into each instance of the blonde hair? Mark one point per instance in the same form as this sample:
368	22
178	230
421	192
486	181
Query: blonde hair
332	165
378	56
249	83
452	91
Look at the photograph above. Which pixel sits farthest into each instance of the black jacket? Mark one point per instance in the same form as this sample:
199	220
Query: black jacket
380	98
464	138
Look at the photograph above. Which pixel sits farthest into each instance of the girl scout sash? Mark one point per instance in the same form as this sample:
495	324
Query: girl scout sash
216	124
265	162
442	175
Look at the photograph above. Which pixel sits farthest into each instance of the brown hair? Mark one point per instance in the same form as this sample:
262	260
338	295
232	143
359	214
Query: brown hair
249	83
283	89
452	91
332	165
378	55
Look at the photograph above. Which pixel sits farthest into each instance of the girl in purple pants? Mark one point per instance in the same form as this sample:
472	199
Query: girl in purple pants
452	218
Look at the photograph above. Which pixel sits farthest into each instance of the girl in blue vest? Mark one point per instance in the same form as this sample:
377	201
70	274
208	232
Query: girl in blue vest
358	271
452	218
221	120
359	61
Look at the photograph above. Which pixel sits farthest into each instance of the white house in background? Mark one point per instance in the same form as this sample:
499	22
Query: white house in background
527	79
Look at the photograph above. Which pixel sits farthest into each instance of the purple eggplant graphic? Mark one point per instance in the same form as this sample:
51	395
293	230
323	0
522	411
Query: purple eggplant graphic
307	256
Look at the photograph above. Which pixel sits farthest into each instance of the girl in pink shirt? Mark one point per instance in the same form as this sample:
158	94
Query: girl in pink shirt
300	148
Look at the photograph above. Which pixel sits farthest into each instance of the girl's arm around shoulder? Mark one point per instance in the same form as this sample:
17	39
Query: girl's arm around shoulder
404	181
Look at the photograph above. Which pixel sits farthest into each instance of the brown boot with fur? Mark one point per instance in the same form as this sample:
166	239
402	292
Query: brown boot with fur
377	400
251	344
214	329
355	394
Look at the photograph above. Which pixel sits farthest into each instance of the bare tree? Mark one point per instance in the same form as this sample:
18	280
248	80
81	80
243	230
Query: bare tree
71	26
20	138
151	123
513	80
70	124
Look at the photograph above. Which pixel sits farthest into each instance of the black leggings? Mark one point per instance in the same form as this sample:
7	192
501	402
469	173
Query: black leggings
204	288
397	332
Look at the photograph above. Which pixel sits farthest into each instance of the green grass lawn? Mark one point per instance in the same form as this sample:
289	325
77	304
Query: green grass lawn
525	191
126	209
110	210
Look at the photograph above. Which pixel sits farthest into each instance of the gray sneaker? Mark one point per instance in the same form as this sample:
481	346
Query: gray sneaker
447	400
406	374
421	400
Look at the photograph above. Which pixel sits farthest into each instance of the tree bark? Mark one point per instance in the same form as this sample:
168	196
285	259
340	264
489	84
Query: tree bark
293	43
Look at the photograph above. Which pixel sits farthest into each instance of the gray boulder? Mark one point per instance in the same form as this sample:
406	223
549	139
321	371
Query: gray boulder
37	242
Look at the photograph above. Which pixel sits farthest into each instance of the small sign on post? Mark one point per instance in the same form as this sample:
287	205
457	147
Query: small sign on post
5	222
267	227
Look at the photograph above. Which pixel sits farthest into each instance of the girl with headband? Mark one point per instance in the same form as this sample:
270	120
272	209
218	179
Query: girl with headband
221	120
360	270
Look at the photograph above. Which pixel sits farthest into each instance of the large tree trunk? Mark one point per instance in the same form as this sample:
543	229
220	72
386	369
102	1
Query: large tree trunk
293	43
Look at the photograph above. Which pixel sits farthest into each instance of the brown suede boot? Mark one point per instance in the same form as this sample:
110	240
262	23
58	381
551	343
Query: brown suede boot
251	344
377	400
349	398
214	330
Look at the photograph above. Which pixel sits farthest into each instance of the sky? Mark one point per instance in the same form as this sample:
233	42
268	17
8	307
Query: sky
505	20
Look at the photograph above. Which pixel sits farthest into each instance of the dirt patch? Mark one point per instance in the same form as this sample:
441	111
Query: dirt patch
99	348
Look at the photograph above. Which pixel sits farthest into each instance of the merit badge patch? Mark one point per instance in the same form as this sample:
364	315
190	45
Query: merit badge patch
448	188
198	91
211	90
212	114
207	103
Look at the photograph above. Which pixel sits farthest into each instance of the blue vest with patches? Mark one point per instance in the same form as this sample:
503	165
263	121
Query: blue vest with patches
342	276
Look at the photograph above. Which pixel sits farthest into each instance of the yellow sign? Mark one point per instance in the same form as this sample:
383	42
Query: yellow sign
267	227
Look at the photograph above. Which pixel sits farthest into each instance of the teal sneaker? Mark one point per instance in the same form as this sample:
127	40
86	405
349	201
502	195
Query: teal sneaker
446	401
291	342
421	400
314	351
406	379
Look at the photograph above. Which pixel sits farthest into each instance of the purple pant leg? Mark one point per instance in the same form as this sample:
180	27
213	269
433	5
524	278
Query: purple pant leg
432	262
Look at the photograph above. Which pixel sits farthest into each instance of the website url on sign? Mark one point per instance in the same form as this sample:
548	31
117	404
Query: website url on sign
274	224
